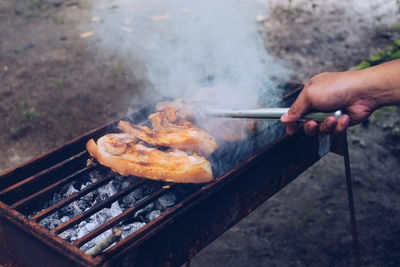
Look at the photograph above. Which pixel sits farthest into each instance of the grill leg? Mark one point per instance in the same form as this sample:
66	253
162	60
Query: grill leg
351	201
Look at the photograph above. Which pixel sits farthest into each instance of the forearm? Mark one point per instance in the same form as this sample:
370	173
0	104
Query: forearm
381	84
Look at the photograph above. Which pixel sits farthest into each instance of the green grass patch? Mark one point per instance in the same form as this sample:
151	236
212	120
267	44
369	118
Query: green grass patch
396	55
375	58
390	52
363	65
29	114
389	109
378	115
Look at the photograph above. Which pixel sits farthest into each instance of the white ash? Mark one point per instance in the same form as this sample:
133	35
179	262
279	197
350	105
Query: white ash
71	191
153	214
91	223
115	210
84	203
144	211
131	228
165	201
148	213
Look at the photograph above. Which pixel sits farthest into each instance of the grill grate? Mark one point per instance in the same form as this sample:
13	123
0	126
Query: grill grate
199	215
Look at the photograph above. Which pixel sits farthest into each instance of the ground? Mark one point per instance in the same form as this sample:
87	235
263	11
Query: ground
53	88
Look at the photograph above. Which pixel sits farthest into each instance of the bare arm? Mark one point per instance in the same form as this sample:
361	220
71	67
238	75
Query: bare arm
359	93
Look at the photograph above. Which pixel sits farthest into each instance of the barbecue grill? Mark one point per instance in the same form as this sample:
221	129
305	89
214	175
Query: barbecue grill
32	193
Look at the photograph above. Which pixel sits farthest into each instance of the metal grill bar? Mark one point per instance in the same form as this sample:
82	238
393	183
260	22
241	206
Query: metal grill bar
37	217
51	188
146	228
31	184
95	208
124	215
53	241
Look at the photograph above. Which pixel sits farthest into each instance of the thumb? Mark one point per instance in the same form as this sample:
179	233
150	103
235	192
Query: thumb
298	109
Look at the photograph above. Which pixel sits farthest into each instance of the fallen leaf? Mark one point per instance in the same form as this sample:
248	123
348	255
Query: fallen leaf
94	19
86	34
161	17
126	29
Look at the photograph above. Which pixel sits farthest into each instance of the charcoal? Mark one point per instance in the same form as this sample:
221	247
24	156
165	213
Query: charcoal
71	210
148	213
79	206
95	175
89	197
125	184
68	235
144	210
115	209
71	190
107	191
153	214
102	216
56	198
116	185
85	228
84	204
128	200
165	201
51	221
130	228
138	193
64	219
83	186
149	188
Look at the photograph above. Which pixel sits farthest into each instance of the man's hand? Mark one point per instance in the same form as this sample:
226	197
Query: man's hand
330	92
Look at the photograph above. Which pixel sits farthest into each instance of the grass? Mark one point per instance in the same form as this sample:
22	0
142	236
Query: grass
389	109
38	5
378	115
307	214
381	114
388	53
31	8
29	114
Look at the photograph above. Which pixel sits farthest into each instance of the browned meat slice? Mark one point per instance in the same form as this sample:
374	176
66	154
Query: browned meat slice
227	130
183	136
123	155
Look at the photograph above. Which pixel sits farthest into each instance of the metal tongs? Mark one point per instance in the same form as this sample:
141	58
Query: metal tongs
268	114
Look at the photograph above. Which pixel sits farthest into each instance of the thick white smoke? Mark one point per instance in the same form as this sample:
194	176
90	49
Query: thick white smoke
180	46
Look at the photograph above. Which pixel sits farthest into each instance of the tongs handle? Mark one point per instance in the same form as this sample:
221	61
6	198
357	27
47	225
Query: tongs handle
268	113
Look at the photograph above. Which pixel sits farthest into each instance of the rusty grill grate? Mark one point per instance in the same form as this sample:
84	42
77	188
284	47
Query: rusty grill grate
199	215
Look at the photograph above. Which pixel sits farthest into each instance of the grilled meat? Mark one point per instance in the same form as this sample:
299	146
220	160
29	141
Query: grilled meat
189	110
170	130
122	154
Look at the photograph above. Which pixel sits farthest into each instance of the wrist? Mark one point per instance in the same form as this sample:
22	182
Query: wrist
380	85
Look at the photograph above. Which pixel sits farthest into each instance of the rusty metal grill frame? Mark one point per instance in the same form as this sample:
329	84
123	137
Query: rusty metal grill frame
174	237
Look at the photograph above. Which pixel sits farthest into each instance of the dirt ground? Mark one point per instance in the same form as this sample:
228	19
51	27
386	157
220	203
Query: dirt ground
53	88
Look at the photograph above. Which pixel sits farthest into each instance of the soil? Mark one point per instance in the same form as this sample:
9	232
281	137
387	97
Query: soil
53	88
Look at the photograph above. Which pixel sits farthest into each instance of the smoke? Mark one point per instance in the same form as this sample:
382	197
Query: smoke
179	47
